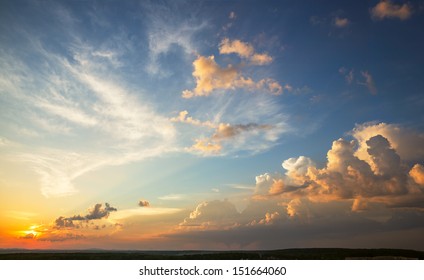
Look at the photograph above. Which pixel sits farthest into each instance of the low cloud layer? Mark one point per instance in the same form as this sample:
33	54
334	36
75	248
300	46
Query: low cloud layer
365	183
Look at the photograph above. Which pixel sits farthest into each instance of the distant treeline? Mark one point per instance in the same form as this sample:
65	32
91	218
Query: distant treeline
286	254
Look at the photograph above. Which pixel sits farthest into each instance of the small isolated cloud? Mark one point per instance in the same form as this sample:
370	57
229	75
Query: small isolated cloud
232	15
143	203
387	9
341	22
348	74
369	82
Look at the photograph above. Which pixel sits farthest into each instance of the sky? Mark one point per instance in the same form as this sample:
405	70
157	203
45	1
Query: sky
216	125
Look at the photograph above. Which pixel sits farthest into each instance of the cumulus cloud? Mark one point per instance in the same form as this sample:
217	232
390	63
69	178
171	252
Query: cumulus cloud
341	22
210	76
382	176
387	9
417	173
143	203
409	144
97	212
269	219
212	215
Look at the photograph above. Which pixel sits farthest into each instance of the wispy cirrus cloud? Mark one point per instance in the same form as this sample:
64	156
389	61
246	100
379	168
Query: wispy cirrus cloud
166	30
223	138
369	82
79	99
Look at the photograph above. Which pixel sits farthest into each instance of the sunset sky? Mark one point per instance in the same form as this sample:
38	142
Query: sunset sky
211	124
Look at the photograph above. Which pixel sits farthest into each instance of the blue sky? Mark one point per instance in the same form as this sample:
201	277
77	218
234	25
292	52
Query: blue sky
227	117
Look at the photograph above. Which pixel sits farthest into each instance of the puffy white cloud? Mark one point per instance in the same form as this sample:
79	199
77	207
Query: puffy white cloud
297	166
387	9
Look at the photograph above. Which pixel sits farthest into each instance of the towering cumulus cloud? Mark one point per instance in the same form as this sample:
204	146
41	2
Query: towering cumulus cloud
364	170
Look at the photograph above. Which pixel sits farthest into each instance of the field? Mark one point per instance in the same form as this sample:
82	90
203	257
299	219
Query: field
286	254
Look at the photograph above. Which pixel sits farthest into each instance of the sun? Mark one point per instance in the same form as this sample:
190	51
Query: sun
32	232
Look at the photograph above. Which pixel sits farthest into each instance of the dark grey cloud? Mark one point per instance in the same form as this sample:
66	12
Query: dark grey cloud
143	203
97	212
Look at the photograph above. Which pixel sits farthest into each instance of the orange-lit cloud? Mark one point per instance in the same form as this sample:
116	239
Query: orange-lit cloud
210	76
365	170
205	146
417	173
244	50
387	9
238	47
341	22
184	118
